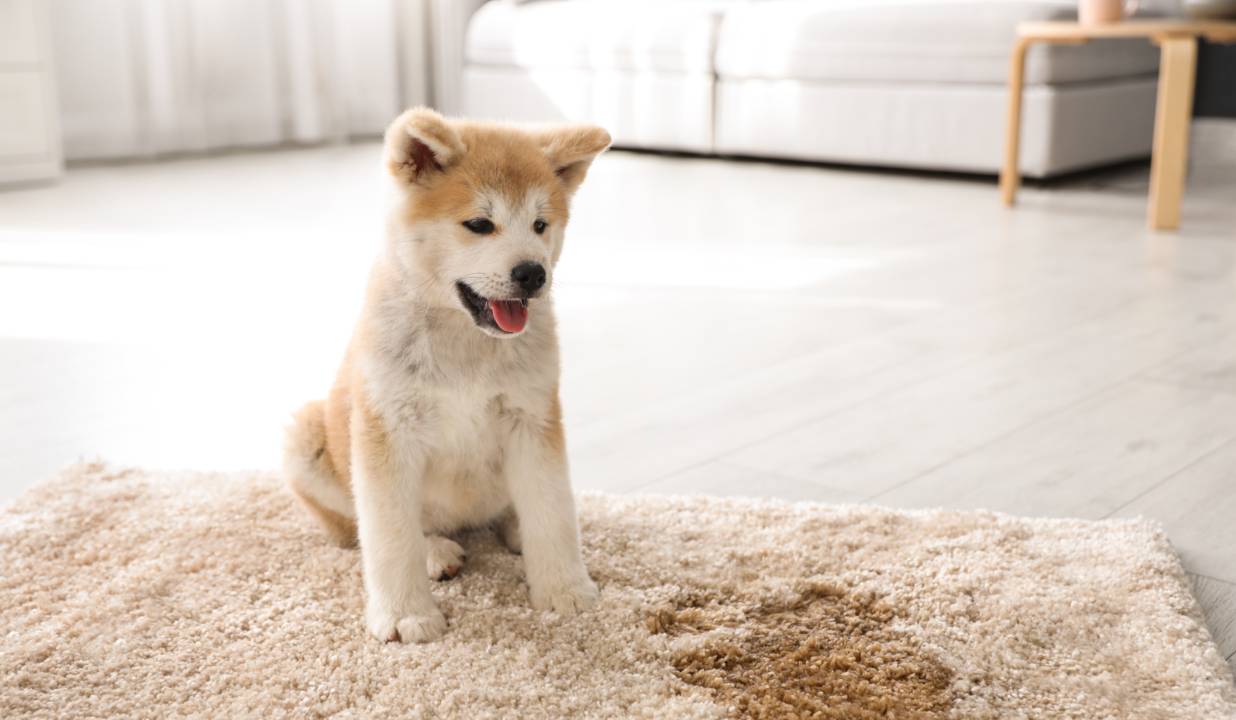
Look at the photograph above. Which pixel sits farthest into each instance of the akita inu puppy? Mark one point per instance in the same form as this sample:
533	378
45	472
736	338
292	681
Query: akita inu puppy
445	412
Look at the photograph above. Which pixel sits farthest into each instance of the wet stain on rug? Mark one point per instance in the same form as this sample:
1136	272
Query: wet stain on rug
811	651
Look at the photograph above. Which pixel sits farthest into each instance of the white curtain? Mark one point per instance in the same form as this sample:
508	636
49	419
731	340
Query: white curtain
151	77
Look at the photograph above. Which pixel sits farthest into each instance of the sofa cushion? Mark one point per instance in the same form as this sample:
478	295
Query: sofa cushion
952	41
653	35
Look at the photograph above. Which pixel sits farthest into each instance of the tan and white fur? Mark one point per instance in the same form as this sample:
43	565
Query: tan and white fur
440	419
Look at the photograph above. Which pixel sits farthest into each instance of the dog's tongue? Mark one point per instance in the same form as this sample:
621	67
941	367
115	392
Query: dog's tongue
511	315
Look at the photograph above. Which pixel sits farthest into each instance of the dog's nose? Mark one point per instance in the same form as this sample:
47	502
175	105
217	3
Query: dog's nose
529	275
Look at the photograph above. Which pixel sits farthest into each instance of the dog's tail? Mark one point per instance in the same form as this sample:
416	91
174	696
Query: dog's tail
311	475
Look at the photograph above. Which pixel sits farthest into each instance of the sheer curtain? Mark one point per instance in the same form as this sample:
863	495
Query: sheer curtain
151	77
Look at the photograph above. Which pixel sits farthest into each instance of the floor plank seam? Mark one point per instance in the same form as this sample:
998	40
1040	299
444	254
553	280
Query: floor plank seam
1211	578
1047	416
1201	458
807	421
1135	376
953	367
959	365
1185	384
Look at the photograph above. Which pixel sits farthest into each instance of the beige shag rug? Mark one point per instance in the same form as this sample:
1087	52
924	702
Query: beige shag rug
132	594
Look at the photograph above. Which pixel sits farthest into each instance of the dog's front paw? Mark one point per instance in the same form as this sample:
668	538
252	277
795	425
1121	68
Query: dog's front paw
565	598
411	627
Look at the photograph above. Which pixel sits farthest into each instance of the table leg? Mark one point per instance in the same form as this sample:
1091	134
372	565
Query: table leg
1010	175
1178	59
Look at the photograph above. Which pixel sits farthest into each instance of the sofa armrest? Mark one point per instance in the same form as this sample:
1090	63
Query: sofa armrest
448	27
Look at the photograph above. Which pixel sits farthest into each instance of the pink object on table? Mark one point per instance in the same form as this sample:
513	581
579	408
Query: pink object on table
1094	12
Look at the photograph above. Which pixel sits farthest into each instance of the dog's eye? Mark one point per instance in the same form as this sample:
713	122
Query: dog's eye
480	226
539	226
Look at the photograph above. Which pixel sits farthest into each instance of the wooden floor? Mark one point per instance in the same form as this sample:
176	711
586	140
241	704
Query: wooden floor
728	328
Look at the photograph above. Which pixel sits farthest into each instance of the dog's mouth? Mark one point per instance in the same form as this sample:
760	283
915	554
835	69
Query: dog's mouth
506	316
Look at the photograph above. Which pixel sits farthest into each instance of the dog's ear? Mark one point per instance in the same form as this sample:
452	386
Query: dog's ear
420	143
571	149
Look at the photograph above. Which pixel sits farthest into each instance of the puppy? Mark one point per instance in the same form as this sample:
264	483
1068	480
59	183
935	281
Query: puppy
445	413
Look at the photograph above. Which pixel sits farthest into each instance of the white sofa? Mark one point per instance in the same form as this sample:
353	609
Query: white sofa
904	83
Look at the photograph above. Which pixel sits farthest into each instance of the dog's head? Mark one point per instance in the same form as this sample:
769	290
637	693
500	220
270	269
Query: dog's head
482	210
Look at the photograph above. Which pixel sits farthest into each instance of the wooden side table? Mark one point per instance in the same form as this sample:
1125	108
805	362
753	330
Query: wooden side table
1177	40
